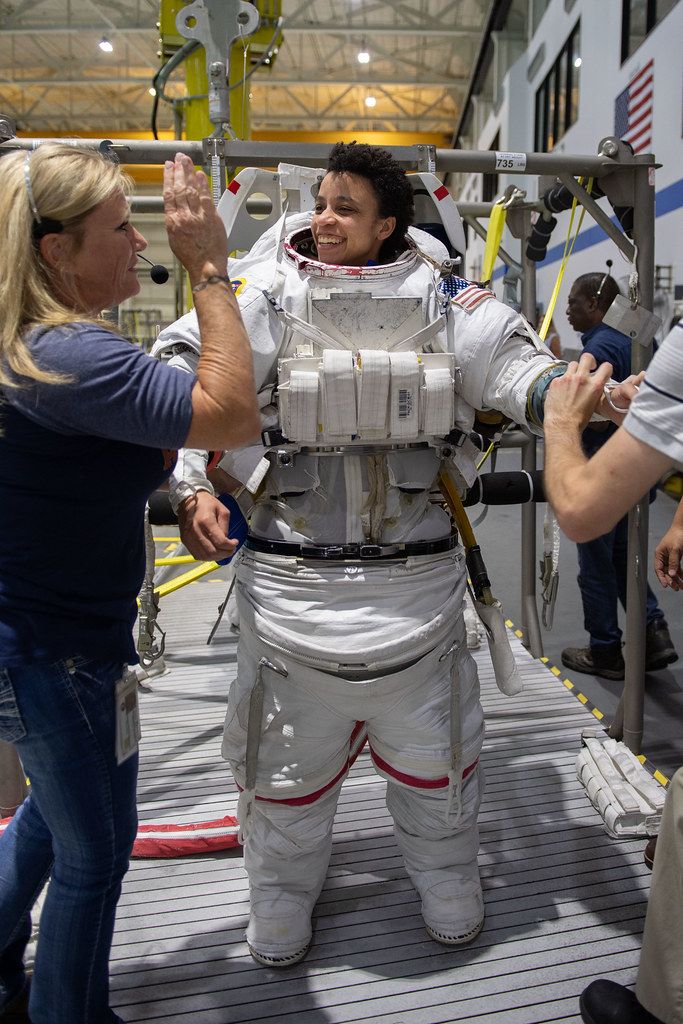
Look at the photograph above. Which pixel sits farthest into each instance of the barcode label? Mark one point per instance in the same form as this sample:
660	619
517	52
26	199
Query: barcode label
405	403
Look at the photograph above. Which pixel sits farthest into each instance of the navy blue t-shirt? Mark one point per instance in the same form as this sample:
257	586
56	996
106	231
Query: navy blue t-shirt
77	464
606	345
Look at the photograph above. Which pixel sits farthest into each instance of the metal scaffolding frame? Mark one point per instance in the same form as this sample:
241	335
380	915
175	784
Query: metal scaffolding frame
626	180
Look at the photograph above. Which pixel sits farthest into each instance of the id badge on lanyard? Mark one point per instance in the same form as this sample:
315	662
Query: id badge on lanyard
127	716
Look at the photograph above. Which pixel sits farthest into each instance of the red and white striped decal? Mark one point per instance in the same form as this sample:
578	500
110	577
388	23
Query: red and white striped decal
471	297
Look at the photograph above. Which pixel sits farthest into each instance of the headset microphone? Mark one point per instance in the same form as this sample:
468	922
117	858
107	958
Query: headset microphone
158	273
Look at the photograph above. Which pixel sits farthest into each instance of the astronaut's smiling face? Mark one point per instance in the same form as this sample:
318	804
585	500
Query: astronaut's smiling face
347	228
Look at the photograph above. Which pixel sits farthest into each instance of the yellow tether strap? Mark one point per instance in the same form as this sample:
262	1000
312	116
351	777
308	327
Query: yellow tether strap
449	491
187	577
493	239
475	563
565	259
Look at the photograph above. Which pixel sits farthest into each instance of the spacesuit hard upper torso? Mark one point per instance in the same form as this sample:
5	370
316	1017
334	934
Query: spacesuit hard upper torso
363	371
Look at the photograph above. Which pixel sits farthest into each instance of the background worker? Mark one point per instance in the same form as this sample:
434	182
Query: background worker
589	496
603	561
88	428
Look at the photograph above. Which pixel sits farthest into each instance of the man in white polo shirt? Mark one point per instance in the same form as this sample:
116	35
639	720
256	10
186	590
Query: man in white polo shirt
589	496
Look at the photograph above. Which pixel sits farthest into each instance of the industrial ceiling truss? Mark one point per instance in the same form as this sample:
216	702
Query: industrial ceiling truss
54	77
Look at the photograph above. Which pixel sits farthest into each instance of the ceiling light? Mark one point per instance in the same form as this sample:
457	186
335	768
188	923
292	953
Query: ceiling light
370	101
363	57
105	45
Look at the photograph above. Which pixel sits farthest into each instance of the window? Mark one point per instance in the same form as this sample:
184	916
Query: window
557	99
538	9
489	187
638	18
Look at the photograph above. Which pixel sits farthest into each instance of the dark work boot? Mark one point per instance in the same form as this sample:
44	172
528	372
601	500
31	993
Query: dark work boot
606	1002
606	661
659	648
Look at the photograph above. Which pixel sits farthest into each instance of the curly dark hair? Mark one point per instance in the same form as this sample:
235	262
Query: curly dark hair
389	183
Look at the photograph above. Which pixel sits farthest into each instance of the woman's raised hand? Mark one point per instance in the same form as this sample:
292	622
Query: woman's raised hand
196	233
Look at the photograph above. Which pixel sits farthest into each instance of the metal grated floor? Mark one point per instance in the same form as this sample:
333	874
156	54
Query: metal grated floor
564	902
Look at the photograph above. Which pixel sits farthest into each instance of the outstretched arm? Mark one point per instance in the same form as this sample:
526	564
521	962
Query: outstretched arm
590	496
224	406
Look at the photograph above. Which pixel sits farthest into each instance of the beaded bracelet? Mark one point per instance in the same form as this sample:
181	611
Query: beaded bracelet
212	279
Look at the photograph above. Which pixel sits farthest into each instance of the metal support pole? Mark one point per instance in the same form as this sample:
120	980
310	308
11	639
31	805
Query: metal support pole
13	788
632	699
250	153
218	25
598	215
531	629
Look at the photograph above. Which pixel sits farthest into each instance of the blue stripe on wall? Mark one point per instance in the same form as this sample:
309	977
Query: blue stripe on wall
669	199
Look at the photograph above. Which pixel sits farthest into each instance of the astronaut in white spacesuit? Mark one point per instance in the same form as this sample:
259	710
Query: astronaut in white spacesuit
371	359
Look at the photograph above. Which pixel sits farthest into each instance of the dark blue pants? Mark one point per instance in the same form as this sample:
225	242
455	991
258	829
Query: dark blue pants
77	825
602	581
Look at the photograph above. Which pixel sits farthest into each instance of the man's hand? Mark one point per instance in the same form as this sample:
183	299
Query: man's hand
203	522
617	400
574	397
668	554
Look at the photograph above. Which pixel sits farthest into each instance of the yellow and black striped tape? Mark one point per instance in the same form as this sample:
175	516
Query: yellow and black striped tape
558	673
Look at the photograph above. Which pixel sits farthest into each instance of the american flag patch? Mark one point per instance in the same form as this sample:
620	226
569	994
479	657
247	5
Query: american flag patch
464	293
633	110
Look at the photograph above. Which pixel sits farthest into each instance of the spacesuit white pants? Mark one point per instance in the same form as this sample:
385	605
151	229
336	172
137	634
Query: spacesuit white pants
295	721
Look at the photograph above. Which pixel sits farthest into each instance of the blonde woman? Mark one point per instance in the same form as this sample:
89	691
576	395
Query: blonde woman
88	428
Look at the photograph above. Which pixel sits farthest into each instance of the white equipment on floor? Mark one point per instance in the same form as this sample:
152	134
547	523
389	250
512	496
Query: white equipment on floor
628	799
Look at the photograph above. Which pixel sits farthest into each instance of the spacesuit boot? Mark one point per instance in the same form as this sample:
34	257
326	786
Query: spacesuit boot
441	858
286	853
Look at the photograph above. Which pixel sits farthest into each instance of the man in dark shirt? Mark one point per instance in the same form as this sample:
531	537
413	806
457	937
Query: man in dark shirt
603	561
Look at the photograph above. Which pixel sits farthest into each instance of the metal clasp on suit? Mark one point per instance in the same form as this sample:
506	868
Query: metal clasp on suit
372	551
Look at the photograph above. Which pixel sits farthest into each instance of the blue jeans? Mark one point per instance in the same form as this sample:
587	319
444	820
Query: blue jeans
77	826
602	581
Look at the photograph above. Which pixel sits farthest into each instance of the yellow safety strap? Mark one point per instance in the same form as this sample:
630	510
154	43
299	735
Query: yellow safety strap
187	577
454	502
493	239
175	560
565	259
450	493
